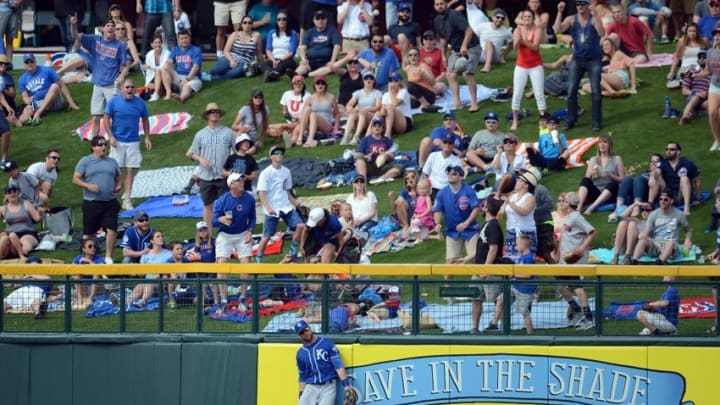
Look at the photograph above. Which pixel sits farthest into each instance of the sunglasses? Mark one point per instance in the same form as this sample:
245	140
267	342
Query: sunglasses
321	83
453	173
100	144
429	38
258	96
29	62
655	161
393	80
141	220
247	22
448	119
646	209
359	181
10	192
664	198
353	62
214	112
509	142
561	200
500	17
281	19
54	158
90	246
278	152
376	124
319	17
129	87
377	41
491	122
370	78
671	149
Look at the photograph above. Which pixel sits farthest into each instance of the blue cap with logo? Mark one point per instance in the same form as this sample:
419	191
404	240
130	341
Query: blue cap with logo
395	76
300	326
492	116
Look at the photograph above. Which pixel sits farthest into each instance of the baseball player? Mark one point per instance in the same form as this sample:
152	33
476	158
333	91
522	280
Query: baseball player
319	366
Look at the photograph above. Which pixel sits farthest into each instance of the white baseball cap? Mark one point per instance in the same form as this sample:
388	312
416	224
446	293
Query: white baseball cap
316	215
233	177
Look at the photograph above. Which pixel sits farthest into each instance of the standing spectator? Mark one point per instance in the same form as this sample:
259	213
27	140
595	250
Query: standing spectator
7	113
526	39
712	69
650	13
211	147
242	161
63	10
252	119
453	30
433	57
183	68
46	172
715	216
181	21
587	57
8	93
679	176
136	239
376	154
660	317
263	15
708	23
552	152
356	18
274	190
120	120
158	13
319	365
234	215
602	178
42	91
379	60
27	184
108	58
459	205
320	45
575	241
20	216
99	177
157	254
308	9
636	39
153	70
695	89
115	13
9	25
661	235
404	34
242	50
519	208
496	41
543	217
484	144
280	49
121	33
227	11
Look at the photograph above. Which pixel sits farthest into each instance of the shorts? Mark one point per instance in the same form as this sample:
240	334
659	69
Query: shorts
473	58
374	171
59	104
419	91
714	89
453	247
408	124
127	154
656	246
682	6
100	96
593	192
21	234
316	64
4	124
292	219
633	54
23	297
490	288
226	243
226	12
495	57
9	25
659	321
210	190
99	214
624	76
195	84
523	301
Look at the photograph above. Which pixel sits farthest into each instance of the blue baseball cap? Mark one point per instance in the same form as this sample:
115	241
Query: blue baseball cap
368	73
404	6
29	57
300	326
377	121
456	168
449	114
395	76
492	116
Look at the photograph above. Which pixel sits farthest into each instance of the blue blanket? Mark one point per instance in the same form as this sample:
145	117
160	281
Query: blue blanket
163	207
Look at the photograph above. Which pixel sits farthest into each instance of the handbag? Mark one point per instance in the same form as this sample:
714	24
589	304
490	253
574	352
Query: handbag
59	220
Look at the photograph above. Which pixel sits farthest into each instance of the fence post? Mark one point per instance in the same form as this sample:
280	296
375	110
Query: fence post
325	297
507	306
415	324
256	304
123	306
2	313
599	320
161	294
68	304
199	303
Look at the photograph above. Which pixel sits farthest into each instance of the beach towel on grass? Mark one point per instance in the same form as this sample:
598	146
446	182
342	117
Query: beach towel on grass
159	124
690	308
657	60
576	147
604	256
445	102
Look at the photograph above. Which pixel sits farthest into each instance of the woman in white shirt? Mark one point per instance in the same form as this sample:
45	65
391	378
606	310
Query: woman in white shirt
364	205
154	61
396	107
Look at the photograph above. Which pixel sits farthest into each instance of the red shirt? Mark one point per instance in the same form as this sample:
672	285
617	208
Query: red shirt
632	34
528	58
434	60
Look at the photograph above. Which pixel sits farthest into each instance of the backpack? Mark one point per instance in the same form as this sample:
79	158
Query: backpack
556	84
350	251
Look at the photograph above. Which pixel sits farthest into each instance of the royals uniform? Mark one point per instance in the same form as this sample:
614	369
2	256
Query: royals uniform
316	363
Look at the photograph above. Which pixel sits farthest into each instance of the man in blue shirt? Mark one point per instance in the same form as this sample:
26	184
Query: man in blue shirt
661	317
120	120
136	239
234	214
434	142
379	60
108	57
42	91
681	178
459	205
183	68
320	45
325	231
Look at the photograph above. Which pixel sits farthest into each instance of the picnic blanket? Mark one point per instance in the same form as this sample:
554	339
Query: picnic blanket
445	102
576	147
690	308
604	256
657	60
159	124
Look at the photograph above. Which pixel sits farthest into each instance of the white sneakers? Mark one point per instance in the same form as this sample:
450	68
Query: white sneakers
127	205
715	146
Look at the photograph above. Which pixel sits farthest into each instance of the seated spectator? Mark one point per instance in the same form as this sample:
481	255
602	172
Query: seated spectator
661	317
635	188
252	119
363	105
495	41
404	34
136	239
264	14
27	184
485	142
396	108
653	15
320	114
434	142
156	254
153	70
42	91
380	60
687	51
242	49
7	97
356	18
348	70
320	45
602	177
619	73
552	152
679	176
708	23
421	82
19	237
432	56
404	205
32	294
364	205
660	237
88	255
46	172
634	38
715	211
203	248
293	105
183	67
506	162
375	155
438	163
628	230
280	49
325	234
695	90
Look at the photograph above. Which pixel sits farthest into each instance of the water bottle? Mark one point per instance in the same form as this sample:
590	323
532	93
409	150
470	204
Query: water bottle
667	107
